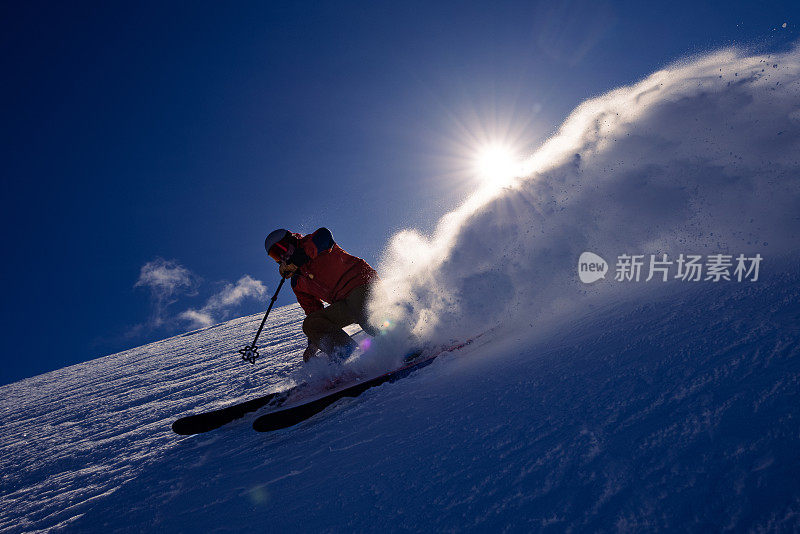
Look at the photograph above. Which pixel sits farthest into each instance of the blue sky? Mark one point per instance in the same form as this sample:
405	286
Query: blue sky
141	132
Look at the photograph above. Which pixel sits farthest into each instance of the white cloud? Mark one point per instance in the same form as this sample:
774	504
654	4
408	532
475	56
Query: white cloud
164	279
233	295
164	276
221	304
197	319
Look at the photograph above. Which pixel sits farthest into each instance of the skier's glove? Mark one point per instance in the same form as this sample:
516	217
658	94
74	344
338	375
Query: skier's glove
287	270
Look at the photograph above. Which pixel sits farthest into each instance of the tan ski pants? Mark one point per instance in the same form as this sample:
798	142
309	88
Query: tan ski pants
324	327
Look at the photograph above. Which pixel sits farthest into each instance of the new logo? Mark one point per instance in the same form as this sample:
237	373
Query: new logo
591	267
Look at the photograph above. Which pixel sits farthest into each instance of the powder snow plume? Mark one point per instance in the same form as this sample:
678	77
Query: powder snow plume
701	157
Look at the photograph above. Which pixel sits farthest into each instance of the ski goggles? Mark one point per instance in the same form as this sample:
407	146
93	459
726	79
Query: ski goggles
281	251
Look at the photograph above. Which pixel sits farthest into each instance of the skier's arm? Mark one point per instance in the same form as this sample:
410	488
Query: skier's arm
321	241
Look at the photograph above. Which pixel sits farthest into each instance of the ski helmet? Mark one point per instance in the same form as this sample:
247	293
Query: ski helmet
273	239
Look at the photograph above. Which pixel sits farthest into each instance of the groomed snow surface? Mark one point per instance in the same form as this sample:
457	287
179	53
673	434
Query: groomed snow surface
677	412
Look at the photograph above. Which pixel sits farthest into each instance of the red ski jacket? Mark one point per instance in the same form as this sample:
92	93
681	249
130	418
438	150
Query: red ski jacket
326	272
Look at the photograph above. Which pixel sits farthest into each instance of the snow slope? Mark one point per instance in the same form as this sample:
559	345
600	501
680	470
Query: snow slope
671	414
615	406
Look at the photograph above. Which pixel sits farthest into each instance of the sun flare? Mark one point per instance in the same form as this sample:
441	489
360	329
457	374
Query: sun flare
496	165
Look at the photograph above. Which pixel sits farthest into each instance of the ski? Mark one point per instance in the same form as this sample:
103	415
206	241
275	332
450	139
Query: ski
306	408
302	408
206	421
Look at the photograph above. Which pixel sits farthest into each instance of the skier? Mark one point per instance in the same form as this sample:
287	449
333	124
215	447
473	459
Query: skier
321	271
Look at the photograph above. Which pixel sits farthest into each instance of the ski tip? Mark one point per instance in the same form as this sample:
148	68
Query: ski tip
188	426
179	429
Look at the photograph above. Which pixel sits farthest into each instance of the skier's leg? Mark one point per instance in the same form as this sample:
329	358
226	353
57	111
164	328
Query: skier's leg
324	329
357	304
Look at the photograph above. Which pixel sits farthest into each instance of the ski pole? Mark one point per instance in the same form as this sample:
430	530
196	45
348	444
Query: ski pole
250	352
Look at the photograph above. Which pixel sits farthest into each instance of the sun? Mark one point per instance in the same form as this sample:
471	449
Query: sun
496	165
